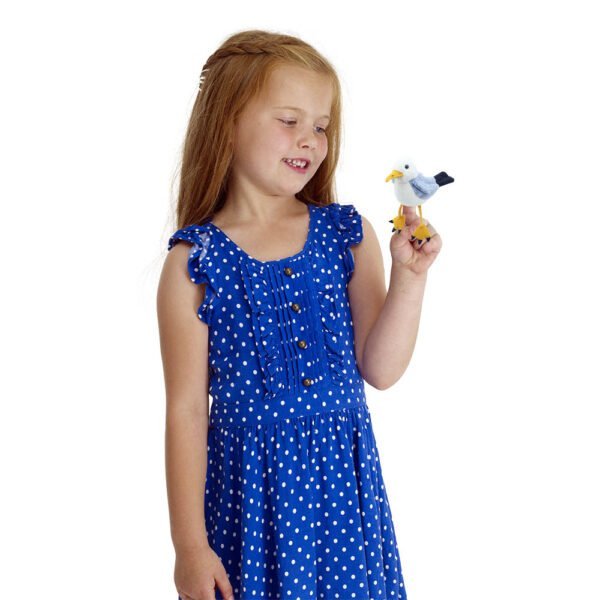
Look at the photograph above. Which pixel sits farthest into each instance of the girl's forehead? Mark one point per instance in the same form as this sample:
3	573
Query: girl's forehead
308	92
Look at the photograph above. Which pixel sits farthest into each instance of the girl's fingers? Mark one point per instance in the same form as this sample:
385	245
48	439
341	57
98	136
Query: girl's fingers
409	213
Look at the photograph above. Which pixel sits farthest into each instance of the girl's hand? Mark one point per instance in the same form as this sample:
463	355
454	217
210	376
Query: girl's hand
414	256
197	571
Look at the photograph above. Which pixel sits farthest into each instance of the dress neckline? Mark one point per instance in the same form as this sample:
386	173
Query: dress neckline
277	260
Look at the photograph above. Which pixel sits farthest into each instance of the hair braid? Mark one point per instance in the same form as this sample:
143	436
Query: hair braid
278	45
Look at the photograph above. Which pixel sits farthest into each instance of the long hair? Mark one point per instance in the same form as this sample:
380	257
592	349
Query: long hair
232	76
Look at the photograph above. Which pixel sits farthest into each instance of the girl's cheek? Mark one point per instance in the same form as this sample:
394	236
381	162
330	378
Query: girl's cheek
325	147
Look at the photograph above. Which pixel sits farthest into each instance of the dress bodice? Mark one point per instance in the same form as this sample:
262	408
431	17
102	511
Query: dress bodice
280	331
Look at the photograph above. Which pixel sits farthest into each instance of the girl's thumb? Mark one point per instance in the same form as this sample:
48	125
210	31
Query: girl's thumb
224	585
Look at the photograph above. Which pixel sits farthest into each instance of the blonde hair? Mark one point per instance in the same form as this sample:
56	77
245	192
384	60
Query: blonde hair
232	76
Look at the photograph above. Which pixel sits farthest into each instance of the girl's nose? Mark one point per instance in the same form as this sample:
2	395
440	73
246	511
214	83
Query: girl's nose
308	139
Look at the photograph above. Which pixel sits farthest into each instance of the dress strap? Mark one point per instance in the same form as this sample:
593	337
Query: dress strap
348	223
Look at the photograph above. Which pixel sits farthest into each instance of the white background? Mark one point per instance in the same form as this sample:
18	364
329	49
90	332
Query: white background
488	443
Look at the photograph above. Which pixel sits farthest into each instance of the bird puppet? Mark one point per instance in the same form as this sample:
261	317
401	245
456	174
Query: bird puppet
413	189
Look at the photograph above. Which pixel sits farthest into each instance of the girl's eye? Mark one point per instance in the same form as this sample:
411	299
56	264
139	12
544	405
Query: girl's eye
292	123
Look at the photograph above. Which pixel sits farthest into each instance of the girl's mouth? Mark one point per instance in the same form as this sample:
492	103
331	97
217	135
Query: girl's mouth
295	168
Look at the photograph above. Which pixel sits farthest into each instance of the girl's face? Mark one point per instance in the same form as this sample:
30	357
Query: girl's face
267	133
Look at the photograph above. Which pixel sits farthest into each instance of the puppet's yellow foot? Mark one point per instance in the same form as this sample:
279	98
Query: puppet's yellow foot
398	222
421	233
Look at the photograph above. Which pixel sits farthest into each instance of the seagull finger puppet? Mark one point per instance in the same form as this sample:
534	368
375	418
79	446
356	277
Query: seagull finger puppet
413	189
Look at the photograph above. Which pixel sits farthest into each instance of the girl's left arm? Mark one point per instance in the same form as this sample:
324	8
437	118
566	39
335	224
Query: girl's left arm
386	323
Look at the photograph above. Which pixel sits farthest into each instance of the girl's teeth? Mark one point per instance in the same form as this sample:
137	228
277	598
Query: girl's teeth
296	163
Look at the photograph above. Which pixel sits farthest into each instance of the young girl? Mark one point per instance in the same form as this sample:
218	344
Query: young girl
276	306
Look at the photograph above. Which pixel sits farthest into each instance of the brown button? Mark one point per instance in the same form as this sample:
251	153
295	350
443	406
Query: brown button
288	270
296	307
306	382
302	344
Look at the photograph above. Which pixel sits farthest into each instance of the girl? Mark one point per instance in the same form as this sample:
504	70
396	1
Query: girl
275	305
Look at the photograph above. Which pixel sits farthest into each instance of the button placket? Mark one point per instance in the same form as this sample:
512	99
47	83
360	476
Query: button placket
306	381
285	327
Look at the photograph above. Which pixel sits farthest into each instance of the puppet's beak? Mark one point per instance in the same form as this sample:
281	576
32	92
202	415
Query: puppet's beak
393	175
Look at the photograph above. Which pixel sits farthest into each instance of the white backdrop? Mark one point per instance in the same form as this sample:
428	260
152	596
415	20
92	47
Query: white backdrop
487	443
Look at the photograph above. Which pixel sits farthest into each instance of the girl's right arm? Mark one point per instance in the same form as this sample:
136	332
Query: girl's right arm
184	350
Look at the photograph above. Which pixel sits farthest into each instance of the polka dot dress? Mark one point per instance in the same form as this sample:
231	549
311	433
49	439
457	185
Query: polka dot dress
295	501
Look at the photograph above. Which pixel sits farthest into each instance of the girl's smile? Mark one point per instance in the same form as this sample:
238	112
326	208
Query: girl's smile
296	167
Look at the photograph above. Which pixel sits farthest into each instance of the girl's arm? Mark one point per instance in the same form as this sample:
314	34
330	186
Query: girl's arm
184	349
386	324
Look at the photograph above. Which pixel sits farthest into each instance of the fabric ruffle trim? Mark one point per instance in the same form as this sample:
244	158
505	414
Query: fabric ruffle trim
199	265
266	331
330	319
348	221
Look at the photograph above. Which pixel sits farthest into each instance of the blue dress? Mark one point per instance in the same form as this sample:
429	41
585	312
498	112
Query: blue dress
295	501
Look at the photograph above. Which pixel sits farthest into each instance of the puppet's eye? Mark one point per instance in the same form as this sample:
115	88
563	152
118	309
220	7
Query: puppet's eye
406	166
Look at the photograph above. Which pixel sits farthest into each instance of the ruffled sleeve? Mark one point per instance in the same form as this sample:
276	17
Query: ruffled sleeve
348	222
200	265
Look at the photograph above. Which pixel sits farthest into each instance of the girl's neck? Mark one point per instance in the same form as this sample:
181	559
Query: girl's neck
235	214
